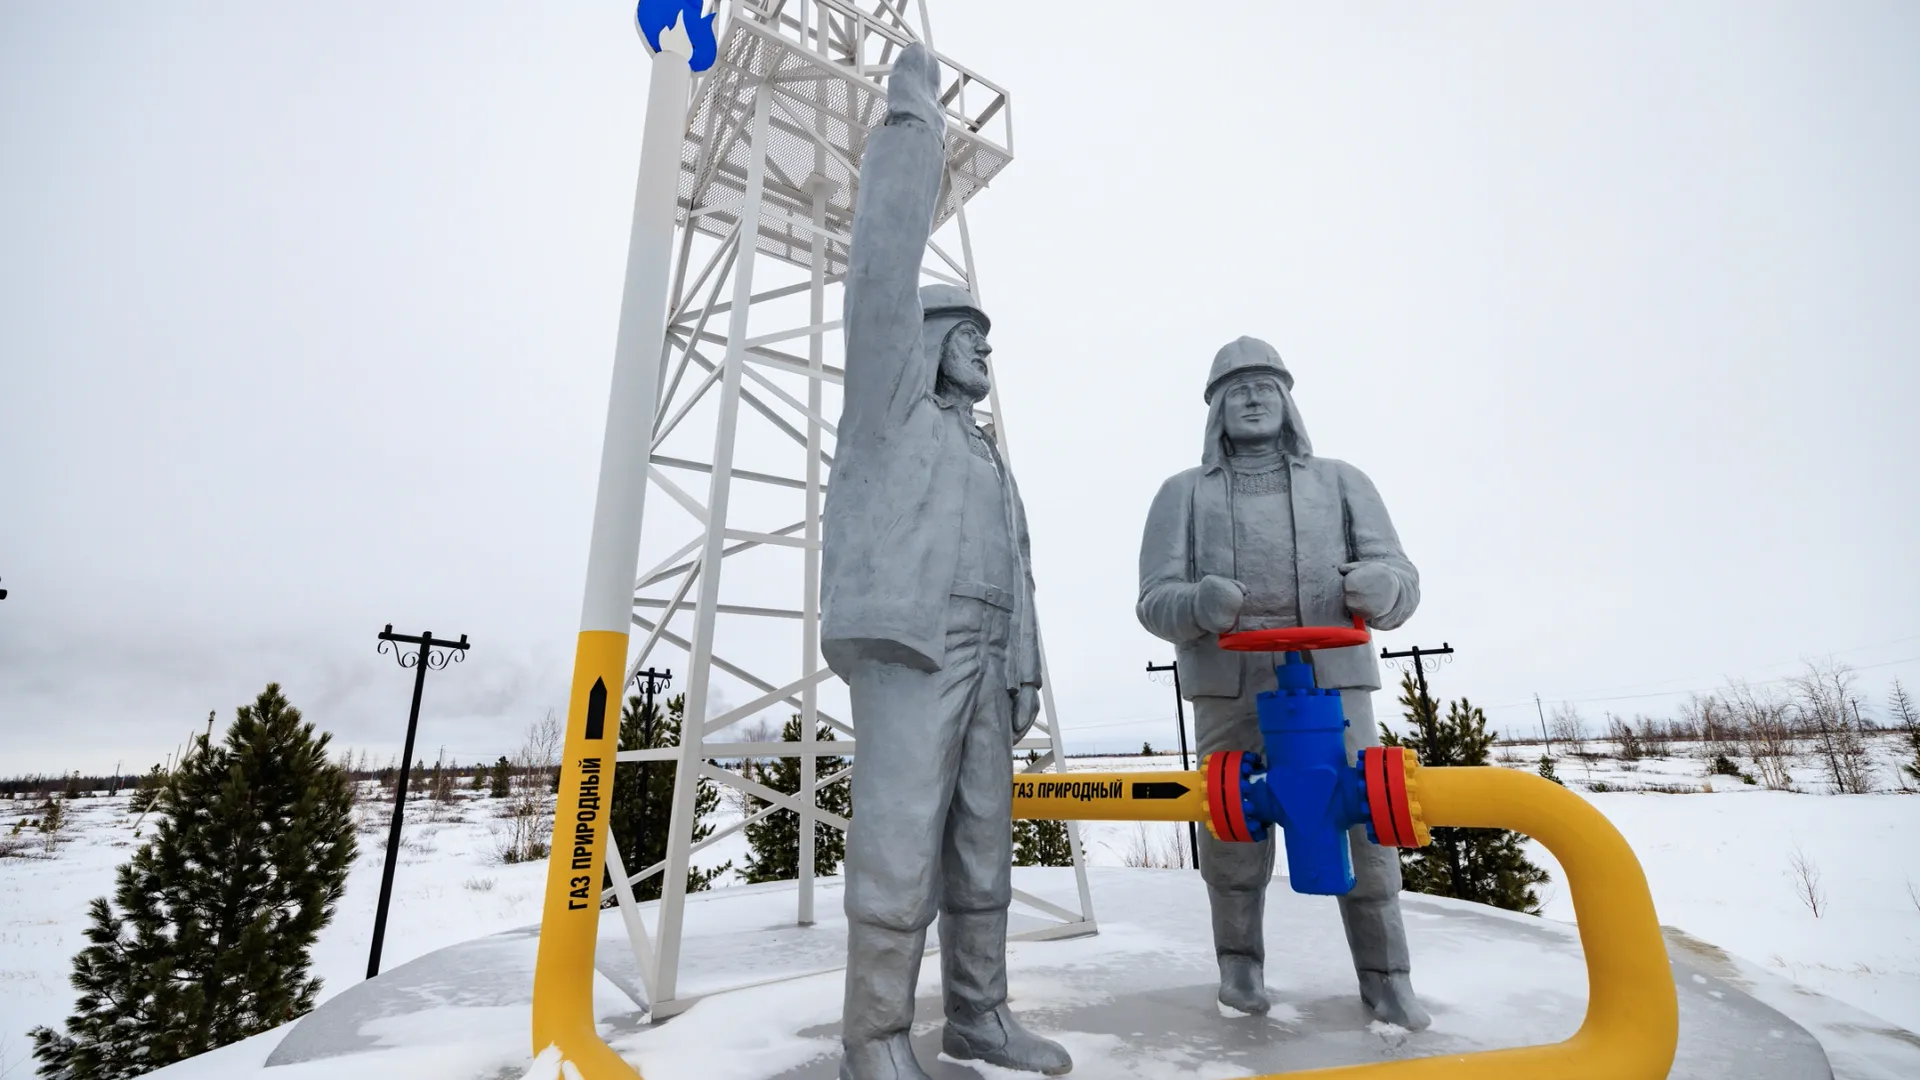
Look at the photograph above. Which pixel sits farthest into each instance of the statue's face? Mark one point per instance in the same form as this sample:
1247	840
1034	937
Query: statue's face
1254	410
963	360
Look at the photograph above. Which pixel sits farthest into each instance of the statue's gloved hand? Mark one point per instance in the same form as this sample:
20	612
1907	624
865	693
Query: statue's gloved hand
913	89
1371	589
1026	706
1216	606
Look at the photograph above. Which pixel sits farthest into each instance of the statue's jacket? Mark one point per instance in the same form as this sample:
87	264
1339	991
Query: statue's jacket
1338	518
891	539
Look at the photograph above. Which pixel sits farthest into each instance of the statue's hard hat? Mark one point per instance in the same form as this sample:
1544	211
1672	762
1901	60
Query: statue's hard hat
1240	356
952	302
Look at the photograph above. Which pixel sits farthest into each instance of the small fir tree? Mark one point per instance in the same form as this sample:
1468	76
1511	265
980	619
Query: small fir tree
774	840
641	809
206	939
1485	865
1146	749
501	785
479	782
1547	772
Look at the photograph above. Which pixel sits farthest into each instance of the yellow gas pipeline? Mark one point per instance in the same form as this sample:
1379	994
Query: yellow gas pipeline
1632	1024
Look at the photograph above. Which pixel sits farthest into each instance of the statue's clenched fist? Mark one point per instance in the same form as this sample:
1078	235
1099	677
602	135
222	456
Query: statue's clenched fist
1026	706
914	88
1216	606
1371	589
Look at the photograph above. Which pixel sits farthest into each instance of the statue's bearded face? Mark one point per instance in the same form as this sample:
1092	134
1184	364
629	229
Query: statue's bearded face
963	361
1255	411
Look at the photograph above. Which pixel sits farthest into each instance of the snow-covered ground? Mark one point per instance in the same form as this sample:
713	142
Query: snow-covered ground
1719	862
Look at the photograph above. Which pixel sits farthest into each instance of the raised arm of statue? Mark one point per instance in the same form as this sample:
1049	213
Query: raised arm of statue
900	178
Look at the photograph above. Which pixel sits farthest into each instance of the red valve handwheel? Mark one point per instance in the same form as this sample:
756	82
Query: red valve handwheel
1298	638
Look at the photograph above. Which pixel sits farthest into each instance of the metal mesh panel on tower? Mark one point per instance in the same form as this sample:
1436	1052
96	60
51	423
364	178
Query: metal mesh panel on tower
814	104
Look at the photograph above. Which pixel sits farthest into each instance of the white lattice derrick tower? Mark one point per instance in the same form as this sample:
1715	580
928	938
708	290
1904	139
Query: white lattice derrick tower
749	387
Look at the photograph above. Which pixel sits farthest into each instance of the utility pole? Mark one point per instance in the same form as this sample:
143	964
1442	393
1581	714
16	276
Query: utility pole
1548	739
1180	724
449	651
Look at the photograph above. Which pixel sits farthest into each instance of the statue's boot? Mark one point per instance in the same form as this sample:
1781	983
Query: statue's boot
883	966
890	1058
973	967
998	1039
1389	995
1243	983
1378	938
1239	939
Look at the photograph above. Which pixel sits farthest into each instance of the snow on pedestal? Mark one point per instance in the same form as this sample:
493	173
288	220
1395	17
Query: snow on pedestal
1136	1000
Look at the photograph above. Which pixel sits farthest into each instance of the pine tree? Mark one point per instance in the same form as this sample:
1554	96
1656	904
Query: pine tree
1041	843
501	785
206	939
641	810
774	840
1547	771
1485	865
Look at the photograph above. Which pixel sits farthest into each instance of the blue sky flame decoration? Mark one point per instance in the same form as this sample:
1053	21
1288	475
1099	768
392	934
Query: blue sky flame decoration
655	16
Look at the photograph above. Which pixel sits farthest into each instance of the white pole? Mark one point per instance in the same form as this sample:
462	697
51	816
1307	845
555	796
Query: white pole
614	553
563	1017
810	576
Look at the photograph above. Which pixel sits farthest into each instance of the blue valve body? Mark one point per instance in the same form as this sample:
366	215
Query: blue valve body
1309	788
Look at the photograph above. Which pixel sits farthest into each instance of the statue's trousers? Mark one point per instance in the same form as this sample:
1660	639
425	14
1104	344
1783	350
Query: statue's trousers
931	829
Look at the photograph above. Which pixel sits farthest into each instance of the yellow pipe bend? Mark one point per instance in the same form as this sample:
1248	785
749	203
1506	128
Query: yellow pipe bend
1633	1015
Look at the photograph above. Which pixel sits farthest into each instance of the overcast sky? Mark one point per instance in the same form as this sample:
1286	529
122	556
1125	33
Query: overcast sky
307	314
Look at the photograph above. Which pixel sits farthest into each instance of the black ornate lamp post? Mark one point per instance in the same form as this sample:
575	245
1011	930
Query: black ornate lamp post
1421	658
427	657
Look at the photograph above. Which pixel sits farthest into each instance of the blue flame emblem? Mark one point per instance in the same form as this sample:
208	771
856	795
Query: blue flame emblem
655	16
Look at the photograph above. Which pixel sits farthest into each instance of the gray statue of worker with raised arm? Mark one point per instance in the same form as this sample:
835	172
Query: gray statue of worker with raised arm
1264	535
927	610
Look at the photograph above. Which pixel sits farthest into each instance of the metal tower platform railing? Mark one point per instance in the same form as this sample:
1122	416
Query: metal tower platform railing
774	137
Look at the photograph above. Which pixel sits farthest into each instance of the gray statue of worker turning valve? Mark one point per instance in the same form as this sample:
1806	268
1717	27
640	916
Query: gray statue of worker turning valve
1264	535
927	611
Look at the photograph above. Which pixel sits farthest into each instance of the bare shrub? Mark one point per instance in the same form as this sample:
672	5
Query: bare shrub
526	831
1569	729
1826	706
1628	741
1650	731
1806	881
1157	847
1766	734
1906	719
1713	721
478	884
